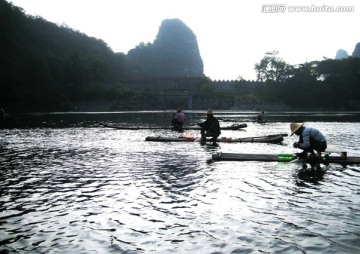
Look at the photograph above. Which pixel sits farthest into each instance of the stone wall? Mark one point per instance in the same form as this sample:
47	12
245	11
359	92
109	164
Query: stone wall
191	85
183	91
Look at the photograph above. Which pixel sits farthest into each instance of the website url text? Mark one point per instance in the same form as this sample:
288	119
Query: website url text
282	8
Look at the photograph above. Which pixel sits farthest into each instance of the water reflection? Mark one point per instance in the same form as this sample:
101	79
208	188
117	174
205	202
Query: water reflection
177	176
313	175
87	189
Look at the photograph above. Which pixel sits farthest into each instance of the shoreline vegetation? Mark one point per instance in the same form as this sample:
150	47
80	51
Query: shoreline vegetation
71	71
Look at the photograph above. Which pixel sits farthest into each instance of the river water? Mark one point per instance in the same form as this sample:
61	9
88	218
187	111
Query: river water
68	185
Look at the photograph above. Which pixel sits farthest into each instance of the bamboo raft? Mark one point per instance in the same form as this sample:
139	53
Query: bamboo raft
274	139
340	158
231	127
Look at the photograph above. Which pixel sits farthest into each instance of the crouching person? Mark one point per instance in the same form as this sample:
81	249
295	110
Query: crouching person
310	140
210	128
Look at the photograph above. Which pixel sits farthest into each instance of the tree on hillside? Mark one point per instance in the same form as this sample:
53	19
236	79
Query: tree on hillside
302	88
343	78
272	69
42	63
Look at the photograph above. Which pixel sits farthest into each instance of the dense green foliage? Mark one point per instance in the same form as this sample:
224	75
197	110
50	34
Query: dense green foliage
327	84
272	69
44	65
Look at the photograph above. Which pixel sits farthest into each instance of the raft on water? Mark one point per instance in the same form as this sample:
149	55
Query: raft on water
275	139
231	127
326	157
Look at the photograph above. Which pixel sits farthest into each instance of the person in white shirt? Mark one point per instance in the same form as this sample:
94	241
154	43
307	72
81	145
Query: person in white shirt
310	139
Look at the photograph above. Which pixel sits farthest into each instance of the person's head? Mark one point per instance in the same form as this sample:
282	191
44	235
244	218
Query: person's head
179	110
209	113
296	128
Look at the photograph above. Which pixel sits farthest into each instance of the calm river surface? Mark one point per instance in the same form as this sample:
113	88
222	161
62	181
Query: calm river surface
68	185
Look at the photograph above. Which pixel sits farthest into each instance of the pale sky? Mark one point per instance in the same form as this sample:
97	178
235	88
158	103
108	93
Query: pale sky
233	35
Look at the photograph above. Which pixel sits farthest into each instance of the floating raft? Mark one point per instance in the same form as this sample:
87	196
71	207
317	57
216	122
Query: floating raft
170	139
277	138
231	127
249	157
341	159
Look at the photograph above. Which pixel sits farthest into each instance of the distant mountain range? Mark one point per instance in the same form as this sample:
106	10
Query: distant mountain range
43	64
356	52
342	54
174	53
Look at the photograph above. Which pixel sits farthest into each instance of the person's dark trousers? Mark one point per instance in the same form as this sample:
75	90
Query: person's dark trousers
315	145
177	125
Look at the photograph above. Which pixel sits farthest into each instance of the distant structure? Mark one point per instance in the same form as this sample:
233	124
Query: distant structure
341	54
172	91
192	85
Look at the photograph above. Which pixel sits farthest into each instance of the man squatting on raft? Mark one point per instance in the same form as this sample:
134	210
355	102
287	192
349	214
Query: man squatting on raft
178	120
210	128
310	139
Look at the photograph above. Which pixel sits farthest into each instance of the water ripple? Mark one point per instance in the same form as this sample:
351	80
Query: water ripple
94	190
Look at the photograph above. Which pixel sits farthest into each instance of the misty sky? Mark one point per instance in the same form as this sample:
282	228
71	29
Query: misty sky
232	35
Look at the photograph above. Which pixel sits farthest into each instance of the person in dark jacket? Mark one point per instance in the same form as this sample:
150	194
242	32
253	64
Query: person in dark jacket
210	128
310	139
261	117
